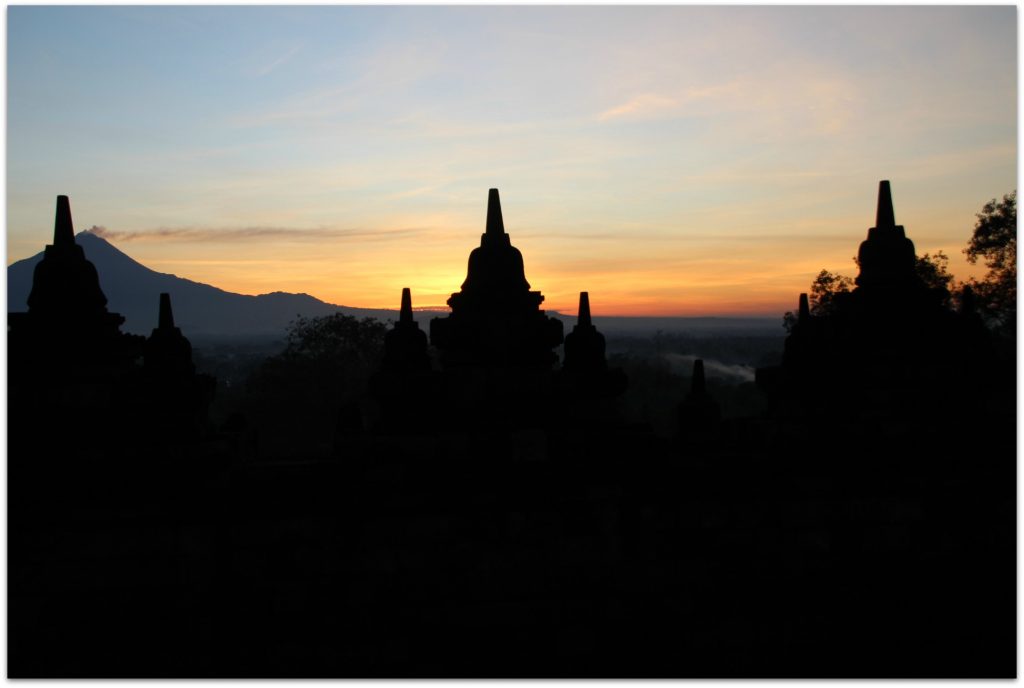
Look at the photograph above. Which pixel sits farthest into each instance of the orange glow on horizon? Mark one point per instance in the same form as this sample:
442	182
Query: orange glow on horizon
665	288
664	268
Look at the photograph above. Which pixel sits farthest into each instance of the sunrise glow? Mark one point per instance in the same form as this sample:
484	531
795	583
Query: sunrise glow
346	152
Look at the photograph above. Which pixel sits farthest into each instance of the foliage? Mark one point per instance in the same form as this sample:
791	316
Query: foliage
827	286
995	242
295	397
995	235
824	290
336	339
934	271
822	296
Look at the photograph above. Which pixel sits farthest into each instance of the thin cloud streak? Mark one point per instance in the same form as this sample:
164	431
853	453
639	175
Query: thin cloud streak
211	234
267	69
645	104
628	237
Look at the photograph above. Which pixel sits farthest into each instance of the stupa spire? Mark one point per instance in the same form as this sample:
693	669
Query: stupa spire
495	319
166	321
405	345
805	309
63	229
885	217
495	224
887	257
697	385
405	314
699	414
583	316
64	281
168	351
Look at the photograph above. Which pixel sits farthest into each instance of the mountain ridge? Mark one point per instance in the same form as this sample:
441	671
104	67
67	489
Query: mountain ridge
203	310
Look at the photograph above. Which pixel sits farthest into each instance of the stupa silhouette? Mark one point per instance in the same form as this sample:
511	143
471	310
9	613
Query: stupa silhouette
887	256
585	371
890	344
67	330
405	345
172	399
699	415
404	391
68	359
66	298
496	320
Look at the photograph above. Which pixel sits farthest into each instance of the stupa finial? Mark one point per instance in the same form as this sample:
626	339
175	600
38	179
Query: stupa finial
495	225
166	321
405	315
583	316
697	386
63	229
805	309
885	217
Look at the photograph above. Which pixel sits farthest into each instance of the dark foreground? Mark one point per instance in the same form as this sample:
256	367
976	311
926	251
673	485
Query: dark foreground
839	552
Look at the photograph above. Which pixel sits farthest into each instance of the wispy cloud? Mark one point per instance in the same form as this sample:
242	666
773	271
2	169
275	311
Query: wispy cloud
277	62
645	104
231	234
375	83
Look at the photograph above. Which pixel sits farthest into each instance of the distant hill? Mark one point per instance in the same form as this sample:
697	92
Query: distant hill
205	312
200	310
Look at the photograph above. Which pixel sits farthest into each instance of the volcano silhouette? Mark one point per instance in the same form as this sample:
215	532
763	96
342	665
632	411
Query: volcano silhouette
200	309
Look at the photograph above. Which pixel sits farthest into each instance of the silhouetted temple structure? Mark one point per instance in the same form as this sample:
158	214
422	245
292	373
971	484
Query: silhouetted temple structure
405	389
699	414
887	258
486	513
167	352
68	359
496	346
890	344
405	346
67	355
173	398
585	369
496	321
584	346
66	303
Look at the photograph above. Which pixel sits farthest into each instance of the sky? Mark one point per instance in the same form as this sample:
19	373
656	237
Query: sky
669	160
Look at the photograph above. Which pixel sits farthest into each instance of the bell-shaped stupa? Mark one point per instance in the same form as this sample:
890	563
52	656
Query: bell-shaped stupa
886	257
405	345
65	284
699	416
167	351
891	344
584	346
585	371
67	357
496	321
173	399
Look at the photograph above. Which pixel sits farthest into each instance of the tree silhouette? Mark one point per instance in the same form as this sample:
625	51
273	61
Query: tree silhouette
295	397
933	271
826	286
822	295
995	242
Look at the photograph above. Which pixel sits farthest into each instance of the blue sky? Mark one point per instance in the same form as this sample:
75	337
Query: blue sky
674	160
